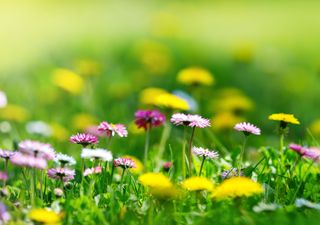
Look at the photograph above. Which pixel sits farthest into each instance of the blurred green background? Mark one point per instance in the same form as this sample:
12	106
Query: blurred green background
269	50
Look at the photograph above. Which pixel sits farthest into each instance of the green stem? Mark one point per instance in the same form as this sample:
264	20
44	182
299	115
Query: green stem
183	163
122	175
164	138
203	159
33	186
6	171
190	151
241	155
146	146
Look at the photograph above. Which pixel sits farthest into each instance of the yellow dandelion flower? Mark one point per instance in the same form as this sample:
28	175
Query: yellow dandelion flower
59	132
68	81
286	118
315	127
88	67
225	120
83	120
194	76
139	166
14	113
197	184
171	101
44	216
237	187
159	185
233	103
148	95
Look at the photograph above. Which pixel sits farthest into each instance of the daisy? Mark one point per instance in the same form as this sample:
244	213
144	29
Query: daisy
97	154
64	160
84	139
30	161
94	170
63	174
190	120
6	154
124	163
146	118
247	128
204	152
112	129
39	128
37	149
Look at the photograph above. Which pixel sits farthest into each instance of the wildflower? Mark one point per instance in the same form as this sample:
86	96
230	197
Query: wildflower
237	187
112	129
297	148
14	113
44	216
315	127
58	192
37	149
39	128
64	160
94	170
148	95
93	130
97	154
171	101
63	174
159	185
6	154
312	153
83	120
3	99
236	104
193	105
197	184
284	119
31	161
68	81
88	67
301	202
139	166
149	118
189	120
233	172
84	139
247	128
167	166
3	176
225	120
199	151
124	163
195	76
4	214
262	207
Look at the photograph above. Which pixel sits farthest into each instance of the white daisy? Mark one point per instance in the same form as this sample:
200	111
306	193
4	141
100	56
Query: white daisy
96	154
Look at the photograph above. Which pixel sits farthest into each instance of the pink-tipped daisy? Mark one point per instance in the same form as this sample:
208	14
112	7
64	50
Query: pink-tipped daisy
298	148
190	120
113	129
6	154
247	128
149	118
37	149
306	152
63	174
3	176
198	151
124	163
20	159
84	139
94	170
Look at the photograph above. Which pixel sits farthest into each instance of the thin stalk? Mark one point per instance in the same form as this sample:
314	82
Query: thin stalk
241	155
164	138
146	146
33	186
190	151
6	171
41	184
202	163
122	175
183	164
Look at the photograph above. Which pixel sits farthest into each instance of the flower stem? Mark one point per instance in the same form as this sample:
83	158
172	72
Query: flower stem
122	175
241	155
6	171
146	146
33	186
203	159
183	164
190	151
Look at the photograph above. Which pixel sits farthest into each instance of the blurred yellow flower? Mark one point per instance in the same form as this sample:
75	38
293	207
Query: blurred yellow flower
282	117
197	184
14	113
139	166
159	185
225	120
83	120
88	67
194	76
45	217
148	95
59	132
243	52
171	101
233	103
237	187
68	81
134	129
315	127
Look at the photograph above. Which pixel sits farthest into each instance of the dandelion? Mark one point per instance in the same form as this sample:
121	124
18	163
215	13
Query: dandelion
63	174
84	139
148	95
204	153
14	113
197	184
225	120
68	81
113	129
193	121
237	187
284	119
193	105
171	101
195	76
94	170
159	185
235	103
83	120
44	216
64	160
97	154
148	119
